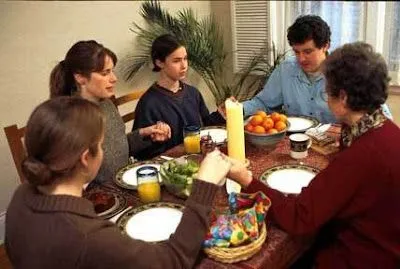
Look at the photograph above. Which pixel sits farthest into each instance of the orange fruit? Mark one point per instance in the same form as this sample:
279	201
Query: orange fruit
259	130
256	120
261	113
249	127
280	126
268	123
283	118
272	131
275	116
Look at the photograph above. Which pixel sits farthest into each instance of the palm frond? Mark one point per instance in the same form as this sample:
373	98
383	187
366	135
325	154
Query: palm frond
152	12
253	77
203	40
135	63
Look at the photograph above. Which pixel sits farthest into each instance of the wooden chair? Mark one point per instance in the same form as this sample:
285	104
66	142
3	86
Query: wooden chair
14	137
134	95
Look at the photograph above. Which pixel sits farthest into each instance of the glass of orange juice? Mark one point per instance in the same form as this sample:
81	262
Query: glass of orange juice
191	139
148	184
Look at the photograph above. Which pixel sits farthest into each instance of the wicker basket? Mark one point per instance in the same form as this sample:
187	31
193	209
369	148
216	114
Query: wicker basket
236	254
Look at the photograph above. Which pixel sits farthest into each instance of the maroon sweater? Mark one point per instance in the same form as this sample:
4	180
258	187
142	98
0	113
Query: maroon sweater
356	199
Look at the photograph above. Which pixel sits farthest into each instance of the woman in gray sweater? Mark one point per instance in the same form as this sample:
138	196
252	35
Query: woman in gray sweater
88	71
48	223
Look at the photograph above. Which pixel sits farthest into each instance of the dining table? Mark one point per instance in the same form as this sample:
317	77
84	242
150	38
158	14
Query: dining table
280	250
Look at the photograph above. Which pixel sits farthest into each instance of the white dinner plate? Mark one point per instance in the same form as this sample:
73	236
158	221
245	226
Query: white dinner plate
217	133
152	222
126	176
301	123
289	179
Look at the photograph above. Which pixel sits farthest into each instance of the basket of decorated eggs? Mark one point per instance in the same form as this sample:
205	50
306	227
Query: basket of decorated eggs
265	131
239	233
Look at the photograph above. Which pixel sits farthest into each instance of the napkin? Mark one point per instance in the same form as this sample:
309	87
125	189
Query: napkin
243	222
319	135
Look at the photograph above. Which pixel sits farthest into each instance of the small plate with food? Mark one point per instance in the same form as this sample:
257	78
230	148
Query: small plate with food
218	134
107	204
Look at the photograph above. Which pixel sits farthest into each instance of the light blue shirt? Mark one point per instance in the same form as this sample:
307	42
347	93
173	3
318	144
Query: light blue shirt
289	86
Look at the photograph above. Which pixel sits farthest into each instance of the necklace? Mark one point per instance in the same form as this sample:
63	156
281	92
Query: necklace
177	89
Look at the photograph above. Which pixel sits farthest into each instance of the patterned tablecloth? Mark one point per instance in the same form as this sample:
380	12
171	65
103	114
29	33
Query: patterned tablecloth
279	250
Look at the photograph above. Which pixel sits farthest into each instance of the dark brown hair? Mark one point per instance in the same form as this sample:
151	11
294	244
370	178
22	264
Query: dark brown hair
58	132
309	27
84	57
163	46
361	72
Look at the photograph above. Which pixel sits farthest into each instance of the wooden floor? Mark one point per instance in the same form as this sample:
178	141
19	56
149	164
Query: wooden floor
4	262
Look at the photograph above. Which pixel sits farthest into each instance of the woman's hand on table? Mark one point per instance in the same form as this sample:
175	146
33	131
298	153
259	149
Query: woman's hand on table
158	132
214	168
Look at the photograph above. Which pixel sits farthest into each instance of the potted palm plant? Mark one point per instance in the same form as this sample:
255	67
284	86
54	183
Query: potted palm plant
204	43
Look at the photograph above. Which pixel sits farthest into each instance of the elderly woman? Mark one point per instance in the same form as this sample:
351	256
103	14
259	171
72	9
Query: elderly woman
356	198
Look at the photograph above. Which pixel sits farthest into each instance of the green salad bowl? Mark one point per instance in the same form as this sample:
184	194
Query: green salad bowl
178	174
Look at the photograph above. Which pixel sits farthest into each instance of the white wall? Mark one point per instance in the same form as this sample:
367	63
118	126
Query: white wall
34	36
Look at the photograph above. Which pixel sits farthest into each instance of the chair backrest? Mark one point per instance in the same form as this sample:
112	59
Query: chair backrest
134	95
14	137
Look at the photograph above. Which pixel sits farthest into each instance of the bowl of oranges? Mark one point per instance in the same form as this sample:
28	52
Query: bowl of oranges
265	131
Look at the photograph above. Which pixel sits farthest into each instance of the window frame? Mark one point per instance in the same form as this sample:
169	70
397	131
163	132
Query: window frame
374	24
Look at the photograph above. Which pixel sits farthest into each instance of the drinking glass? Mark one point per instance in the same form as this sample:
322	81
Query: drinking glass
191	139
148	184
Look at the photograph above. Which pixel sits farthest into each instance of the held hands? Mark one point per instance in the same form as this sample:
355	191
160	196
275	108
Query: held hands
158	132
216	166
221	108
240	173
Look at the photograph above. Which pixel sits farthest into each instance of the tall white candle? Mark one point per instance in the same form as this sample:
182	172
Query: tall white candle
235	130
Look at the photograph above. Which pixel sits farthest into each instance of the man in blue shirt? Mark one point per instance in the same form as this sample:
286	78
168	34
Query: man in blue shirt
297	83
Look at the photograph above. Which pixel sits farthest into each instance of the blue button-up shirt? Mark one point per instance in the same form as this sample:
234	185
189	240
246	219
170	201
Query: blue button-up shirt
289	86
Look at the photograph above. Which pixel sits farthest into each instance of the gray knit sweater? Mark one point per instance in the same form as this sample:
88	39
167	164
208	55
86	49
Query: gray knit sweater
118	145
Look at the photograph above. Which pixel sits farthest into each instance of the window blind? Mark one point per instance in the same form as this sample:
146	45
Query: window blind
251	31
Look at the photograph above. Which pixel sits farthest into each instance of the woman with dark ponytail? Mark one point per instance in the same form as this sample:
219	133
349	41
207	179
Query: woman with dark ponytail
48	223
88	71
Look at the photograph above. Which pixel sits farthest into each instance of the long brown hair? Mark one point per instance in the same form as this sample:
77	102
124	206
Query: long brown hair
84	57
58	132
